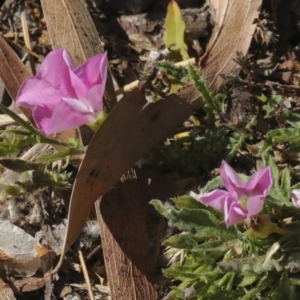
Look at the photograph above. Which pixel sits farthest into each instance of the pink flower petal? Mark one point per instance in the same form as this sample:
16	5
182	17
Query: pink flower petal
38	92
55	71
42	116
215	199
255	204
260	183
295	195
92	72
234	213
95	97
69	113
231	180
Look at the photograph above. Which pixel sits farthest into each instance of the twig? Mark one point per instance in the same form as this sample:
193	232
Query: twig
86	275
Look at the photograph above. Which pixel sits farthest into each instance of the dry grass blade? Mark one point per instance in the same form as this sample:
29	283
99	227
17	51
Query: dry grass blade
131	129
233	33
70	25
86	275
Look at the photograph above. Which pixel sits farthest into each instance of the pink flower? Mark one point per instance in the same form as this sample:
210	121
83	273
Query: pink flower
295	195
62	95
242	199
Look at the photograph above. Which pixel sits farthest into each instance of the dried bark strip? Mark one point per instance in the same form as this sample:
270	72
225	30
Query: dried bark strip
232	33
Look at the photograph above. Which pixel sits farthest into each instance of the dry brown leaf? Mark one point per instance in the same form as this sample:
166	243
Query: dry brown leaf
128	261
28	284
13	73
70	26
233	33
131	129
132	248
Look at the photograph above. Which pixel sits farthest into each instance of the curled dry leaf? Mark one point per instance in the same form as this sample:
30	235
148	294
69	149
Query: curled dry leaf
130	131
13	73
19	252
233	33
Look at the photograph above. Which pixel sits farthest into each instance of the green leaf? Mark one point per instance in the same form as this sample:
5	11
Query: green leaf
190	268
16	131
13	190
274	170
250	264
236	142
215	183
248	279
175	27
18	119
200	220
283	135
221	232
187	202
18	165
198	217
286	290
286	183
293	119
218	246
66	153
184	240
210	103
178	73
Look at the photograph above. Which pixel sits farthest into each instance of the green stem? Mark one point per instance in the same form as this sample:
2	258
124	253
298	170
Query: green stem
252	293
18	120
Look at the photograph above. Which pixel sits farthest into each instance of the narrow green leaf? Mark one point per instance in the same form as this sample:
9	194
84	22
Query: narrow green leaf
213	246
215	183
175	27
18	120
286	183
283	135
293	119
286	290
187	202
248	279
18	165
181	241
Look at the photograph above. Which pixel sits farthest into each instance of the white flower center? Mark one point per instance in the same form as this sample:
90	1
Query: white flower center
88	105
